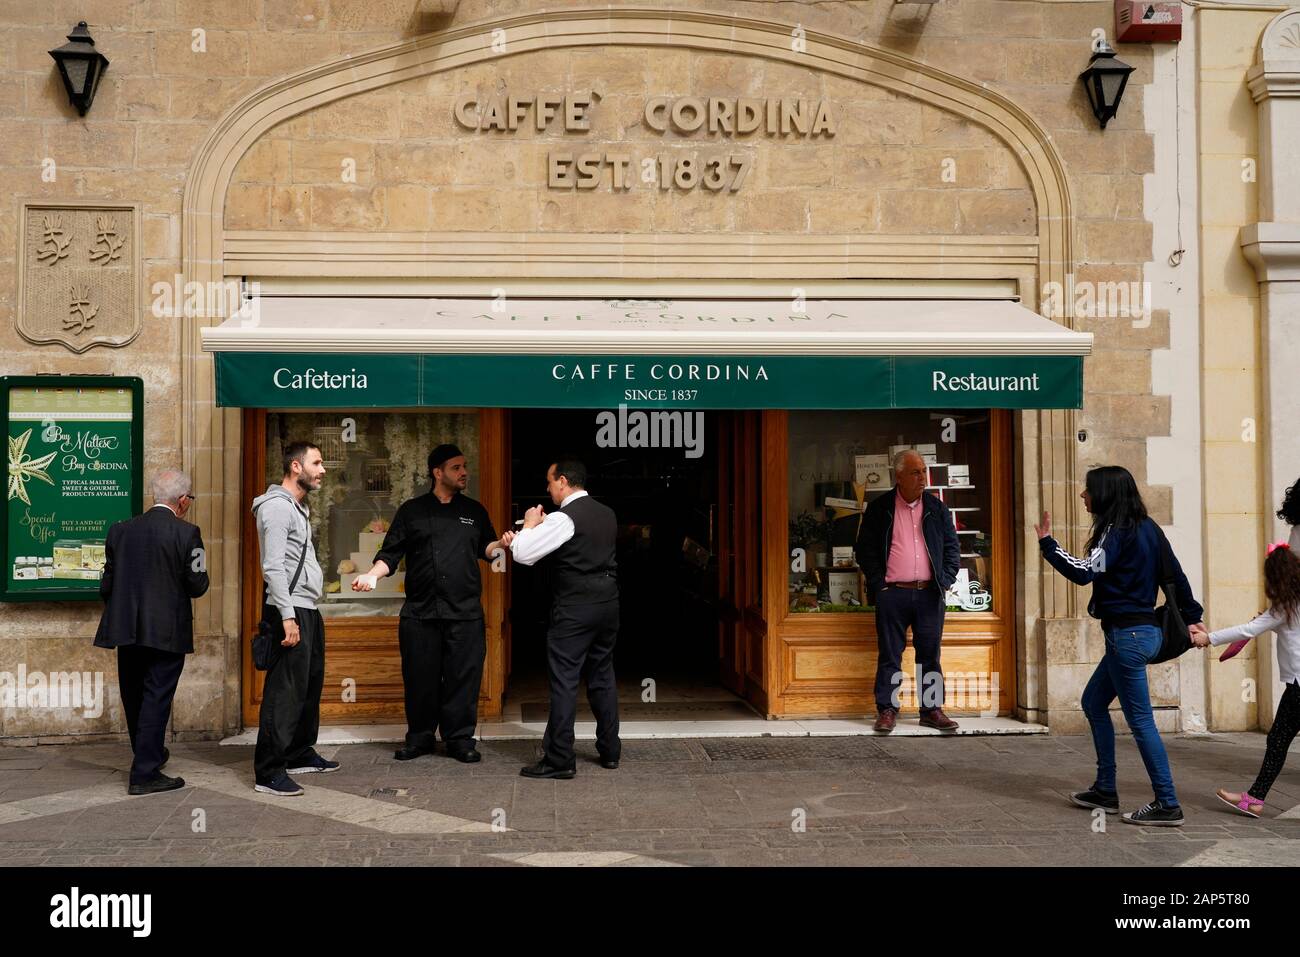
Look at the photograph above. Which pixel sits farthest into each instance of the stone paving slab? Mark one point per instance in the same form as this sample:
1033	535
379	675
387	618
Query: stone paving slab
830	801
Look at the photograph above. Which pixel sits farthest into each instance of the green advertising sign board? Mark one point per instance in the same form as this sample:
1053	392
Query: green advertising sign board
75	467
334	380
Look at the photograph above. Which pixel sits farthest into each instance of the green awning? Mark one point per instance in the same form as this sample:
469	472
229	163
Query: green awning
308	352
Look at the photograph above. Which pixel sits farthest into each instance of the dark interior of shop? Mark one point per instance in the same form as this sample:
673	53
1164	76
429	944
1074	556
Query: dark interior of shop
667	558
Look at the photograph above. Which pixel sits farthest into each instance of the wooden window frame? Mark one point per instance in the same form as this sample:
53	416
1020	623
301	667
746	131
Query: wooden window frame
852	635
358	638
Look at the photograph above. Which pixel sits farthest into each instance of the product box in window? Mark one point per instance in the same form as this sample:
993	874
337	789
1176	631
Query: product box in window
834	490
845	587
958	476
872	471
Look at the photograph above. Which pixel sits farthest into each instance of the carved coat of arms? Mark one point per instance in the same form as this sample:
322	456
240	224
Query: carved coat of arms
79	274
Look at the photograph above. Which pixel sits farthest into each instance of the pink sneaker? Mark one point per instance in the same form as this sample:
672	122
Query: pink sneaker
1243	802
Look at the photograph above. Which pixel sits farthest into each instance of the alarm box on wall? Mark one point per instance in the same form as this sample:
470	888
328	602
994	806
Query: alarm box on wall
1137	21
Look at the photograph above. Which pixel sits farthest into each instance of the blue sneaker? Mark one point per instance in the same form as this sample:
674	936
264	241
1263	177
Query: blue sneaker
283	786
314	764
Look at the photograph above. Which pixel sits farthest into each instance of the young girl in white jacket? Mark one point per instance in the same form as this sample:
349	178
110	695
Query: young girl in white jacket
1282	588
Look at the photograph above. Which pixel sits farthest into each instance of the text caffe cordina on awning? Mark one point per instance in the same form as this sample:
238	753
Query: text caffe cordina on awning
738	441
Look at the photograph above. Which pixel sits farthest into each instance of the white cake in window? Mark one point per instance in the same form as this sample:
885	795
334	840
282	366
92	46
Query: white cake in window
368	545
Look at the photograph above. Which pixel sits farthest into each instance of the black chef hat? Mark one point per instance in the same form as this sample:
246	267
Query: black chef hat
441	454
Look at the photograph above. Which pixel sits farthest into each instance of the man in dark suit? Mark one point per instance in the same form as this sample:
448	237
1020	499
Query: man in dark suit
154	564
908	552
576	546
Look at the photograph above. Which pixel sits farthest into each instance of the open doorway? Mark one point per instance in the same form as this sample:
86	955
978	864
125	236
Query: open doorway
667	503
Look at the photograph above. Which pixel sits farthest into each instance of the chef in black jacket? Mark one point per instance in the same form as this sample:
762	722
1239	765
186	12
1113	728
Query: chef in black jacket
443	535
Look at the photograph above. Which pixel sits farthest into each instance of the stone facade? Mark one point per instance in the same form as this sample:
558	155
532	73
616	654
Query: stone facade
412	172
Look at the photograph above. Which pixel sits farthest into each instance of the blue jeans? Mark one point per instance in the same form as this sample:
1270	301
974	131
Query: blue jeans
1123	672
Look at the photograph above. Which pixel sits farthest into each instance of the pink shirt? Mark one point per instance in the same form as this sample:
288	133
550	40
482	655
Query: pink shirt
908	560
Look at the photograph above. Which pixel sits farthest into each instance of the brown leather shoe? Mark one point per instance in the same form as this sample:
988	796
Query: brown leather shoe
937	719
885	720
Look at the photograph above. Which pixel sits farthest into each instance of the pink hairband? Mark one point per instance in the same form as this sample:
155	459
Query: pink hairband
1276	545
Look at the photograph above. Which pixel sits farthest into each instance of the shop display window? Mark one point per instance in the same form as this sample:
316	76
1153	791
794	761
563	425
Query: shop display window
374	461
840	461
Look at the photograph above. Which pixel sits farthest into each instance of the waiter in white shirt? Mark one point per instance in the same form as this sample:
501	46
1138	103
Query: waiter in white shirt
576	548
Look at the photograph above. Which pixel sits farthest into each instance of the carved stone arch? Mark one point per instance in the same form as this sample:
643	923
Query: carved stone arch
284	99
210	436
1281	38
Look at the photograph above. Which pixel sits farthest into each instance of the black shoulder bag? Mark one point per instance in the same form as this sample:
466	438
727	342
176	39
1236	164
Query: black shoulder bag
1177	639
270	628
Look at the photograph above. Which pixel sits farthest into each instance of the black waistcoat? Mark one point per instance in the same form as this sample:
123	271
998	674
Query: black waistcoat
583	571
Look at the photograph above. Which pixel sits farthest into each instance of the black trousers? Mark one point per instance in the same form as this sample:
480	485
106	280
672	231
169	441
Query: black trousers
580	646
147	679
1280	736
442	669
290	715
897	609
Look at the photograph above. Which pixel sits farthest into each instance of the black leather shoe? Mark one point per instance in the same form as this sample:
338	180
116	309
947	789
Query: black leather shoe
610	764
543	770
161	783
466	756
407	753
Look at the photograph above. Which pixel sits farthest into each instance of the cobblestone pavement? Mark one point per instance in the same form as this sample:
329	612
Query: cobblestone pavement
702	801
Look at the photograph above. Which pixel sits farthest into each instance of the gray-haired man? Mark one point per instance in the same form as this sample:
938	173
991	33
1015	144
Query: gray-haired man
153	565
908	552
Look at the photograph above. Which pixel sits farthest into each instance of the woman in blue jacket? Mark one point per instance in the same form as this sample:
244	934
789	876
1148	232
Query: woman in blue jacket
1123	566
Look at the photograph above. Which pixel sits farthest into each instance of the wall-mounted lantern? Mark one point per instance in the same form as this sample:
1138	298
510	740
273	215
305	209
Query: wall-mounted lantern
1105	80
81	66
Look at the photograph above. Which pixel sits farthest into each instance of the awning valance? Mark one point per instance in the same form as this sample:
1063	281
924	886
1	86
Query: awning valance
328	352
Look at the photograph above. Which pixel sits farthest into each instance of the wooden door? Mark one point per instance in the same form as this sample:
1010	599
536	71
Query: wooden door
742	629
494	487
730	637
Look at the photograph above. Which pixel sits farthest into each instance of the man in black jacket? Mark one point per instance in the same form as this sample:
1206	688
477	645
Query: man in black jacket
908	552
441	635
576	545
153	565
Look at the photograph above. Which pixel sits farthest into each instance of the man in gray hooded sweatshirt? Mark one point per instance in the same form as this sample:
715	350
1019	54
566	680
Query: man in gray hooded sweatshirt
290	716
